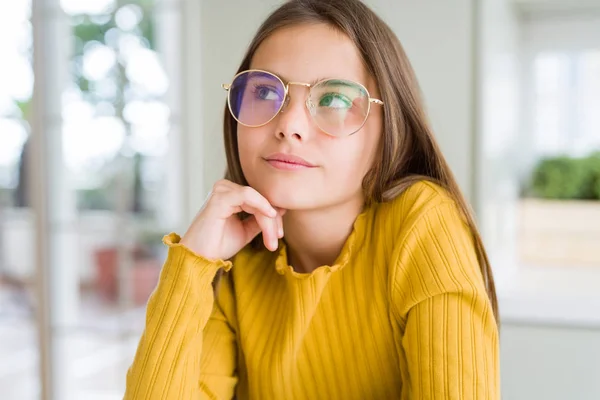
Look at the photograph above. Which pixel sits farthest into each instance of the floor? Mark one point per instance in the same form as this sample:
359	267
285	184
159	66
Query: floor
91	359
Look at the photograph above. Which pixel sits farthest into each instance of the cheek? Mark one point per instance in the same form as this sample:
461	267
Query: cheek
350	159
365	144
249	142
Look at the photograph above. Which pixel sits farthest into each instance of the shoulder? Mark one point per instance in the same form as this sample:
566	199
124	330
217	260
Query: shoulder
399	216
434	251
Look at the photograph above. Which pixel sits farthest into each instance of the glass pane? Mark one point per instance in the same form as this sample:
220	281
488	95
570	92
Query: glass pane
18	331
558	222
589	88
551	86
567	97
116	133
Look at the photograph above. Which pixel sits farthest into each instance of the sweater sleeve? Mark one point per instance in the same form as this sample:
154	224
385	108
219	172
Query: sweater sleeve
187	349
450	340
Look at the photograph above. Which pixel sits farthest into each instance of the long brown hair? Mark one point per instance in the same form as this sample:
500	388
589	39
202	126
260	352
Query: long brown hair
408	150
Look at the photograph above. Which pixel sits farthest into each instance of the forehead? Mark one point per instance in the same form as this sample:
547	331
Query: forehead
308	53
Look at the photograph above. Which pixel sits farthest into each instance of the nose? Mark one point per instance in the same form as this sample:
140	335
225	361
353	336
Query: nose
294	119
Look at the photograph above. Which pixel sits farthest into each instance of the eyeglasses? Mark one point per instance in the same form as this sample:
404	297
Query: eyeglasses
339	107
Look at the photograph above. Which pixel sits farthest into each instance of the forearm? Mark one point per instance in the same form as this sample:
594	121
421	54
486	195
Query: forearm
167	361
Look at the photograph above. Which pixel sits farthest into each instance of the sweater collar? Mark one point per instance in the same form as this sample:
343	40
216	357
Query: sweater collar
348	250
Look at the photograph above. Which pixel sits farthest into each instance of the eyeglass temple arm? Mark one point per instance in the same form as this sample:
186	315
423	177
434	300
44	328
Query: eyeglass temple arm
376	101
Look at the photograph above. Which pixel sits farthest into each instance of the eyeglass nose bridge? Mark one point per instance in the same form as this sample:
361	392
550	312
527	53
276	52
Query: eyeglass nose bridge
287	93
308	85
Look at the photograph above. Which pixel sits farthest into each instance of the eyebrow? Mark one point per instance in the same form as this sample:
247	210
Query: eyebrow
286	80
342	82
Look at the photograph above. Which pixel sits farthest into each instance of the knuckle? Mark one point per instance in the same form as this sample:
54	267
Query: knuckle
248	192
219	185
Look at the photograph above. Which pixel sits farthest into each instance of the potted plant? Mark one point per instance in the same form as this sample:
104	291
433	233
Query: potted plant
147	255
559	221
144	254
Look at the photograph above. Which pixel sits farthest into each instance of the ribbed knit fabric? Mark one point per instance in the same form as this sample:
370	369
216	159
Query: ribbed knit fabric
402	314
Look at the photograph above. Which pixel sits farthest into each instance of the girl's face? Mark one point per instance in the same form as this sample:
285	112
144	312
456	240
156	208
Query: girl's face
309	53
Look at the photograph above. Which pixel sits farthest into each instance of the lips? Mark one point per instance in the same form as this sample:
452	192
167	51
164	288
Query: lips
289	159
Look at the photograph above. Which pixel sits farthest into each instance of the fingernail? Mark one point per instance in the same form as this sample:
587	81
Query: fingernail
274	244
273	213
280	232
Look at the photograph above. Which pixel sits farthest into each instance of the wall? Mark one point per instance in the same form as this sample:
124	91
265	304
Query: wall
498	119
550	363
437	36
555	5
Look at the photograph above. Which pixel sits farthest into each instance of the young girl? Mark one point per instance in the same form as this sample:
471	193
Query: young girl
354	267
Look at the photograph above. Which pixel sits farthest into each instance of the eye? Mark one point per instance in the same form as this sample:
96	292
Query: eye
335	100
266	93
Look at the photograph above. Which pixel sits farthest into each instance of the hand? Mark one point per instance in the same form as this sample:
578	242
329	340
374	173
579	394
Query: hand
217	232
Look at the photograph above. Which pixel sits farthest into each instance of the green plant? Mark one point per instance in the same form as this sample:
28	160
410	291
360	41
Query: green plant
94	199
567	178
6	196
594	163
88	30
150	243
151	237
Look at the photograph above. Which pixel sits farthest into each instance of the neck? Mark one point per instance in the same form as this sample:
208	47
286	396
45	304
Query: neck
316	237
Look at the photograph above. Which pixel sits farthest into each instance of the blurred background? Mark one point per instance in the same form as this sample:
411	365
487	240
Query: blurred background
110	137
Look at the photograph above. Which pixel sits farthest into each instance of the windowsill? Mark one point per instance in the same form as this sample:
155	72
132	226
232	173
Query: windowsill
566	296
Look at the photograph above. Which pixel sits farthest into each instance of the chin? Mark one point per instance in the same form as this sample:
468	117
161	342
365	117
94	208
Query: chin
289	198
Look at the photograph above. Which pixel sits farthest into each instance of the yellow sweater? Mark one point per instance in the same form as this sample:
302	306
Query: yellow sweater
402	314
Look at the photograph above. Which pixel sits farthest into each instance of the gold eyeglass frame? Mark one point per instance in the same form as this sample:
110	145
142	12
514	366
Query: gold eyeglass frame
286	98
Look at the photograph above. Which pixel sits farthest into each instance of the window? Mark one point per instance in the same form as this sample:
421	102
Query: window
560	209
552	220
18	333
566	102
16	85
110	114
